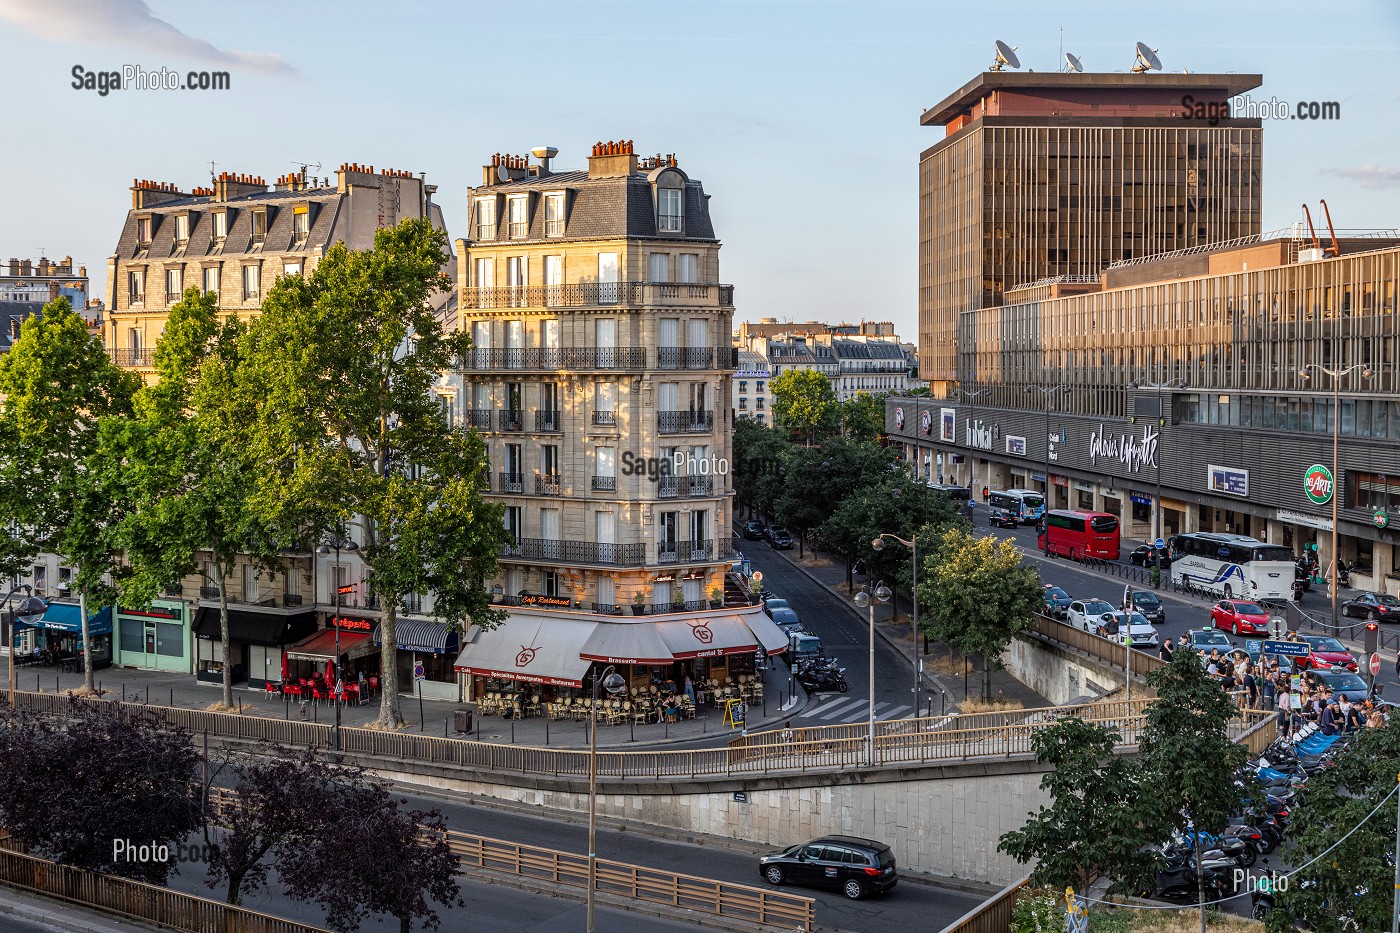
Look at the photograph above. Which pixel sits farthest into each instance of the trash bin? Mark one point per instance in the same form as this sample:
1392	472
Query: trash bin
462	719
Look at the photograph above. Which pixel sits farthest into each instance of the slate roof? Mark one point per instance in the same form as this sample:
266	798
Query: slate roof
325	204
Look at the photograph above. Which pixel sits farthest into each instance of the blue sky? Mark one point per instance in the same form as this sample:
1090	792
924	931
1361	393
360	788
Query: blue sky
801	118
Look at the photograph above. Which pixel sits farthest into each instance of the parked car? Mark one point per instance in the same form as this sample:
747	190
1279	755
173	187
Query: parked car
803	646
1205	639
753	530
772	603
1120	624
1141	556
1240	617
1375	607
1346	682
786	620
1086	613
779	539
1150	606
1056	601
855	867
1326	653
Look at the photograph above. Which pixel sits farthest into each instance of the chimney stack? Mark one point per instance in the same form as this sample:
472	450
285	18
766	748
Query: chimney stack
230	185
612	159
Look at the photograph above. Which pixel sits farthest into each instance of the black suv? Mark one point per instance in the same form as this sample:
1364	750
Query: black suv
753	531
855	867
779	539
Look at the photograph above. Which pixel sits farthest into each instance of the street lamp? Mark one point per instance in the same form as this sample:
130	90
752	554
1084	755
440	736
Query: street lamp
614	684
1337	375
963	395
1049	393
1161	422
338	542
913	545
882	594
29	610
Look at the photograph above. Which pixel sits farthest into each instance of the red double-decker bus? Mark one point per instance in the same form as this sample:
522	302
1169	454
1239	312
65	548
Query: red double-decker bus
1077	534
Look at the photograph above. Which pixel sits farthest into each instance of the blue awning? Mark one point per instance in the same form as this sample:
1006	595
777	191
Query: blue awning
422	636
66	617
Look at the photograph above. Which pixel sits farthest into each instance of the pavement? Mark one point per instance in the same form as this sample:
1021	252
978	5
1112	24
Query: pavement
22	912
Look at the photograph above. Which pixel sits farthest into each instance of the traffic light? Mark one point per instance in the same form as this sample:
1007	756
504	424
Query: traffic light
1372	633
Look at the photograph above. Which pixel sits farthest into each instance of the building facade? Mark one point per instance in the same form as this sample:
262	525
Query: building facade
752	398
27	285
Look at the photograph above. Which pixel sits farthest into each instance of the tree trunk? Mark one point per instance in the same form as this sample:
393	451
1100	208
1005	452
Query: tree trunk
801	545
986	678
1200	879
89	685
225	638
390	712
235	886
405	924
850	577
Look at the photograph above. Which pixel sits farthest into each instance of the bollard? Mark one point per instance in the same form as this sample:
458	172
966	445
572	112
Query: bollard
286	706
444	728
478	728
148	694
240	706
546	732
668	728
123	689
705	724
633	727
172	696
512	732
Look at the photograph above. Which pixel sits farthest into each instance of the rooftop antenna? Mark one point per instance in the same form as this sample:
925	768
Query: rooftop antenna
1072	63
1146	59
1005	56
212	177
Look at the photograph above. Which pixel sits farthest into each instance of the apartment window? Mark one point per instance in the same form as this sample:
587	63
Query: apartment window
174	284
517	277
252	283
668	210
743	387
758	385
608	291
259	227
604	466
182	229
689	268
143	231
301	225
554	215
41	582
211	280
133	339
512	522
758	403
743	404
518	219
553	280
486	219
659	267
291	268
220	226
136	286
549	524
549	582
485	273
250	583
604	403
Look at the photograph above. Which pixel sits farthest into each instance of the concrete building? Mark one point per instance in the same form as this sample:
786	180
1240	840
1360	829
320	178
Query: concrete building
752	398
601	376
854	364
27	285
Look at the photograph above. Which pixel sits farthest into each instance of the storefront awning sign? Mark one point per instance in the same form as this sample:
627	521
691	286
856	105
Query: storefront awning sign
530	648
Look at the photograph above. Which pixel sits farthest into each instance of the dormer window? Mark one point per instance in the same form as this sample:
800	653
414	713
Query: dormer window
143	232
668	210
554	214
301	226
519	218
182	229
259	227
486	218
220	226
136	286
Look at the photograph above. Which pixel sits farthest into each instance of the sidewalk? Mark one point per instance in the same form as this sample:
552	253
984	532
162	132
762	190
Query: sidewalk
830	574
434	717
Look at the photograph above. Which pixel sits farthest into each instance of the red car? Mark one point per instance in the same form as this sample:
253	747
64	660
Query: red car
1239	617
1327	654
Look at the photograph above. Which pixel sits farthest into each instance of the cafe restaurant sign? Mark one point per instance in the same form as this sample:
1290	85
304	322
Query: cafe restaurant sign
1132	452
553	602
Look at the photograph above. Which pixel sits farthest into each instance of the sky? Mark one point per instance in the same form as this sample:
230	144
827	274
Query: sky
800	118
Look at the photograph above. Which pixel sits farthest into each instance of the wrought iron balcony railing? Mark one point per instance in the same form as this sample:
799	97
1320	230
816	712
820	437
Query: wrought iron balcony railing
685	422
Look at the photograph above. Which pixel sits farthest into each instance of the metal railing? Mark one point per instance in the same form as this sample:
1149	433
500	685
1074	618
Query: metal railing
129	356
1352	629
510	419
479	418
604	483
157	905
547	420
596	294
605	418
672	552
549	359
576	552
992	915
1096	646
668	487
547	484
685	422
208	592
510	483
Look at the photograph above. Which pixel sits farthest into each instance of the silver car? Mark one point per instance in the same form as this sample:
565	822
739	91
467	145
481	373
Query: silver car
1122	624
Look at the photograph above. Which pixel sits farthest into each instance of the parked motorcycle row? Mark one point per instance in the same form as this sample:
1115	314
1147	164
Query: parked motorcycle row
821	675
1280	776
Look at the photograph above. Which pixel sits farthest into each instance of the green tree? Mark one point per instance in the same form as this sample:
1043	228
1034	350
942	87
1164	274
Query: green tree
894	503
803	402
1093	825
184	462
58	386
1188	758
1339	800
863	417
342	365
978	595
760	457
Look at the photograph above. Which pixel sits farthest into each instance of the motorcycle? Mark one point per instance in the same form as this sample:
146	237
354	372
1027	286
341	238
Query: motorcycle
823	680
1177	877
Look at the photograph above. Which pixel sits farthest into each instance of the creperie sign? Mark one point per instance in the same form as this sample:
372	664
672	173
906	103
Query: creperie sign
353	625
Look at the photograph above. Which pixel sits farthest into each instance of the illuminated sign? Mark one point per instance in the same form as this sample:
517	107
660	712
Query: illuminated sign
558	602
352	625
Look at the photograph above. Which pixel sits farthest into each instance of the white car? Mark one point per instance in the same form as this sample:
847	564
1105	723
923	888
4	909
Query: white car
1087	614
1144	635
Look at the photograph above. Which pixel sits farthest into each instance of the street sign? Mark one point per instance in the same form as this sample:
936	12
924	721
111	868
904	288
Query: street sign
419	673
1160	544
1278	627
1375	665
1317	483
741	796
758	576
1253	647
1288	649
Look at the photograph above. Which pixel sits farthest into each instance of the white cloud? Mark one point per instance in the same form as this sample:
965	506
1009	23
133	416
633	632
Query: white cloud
1371	175
126	22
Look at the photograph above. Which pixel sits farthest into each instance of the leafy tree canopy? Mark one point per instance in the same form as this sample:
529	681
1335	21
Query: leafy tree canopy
803	401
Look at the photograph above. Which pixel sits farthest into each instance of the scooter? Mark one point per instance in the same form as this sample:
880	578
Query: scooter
823	681
1177	878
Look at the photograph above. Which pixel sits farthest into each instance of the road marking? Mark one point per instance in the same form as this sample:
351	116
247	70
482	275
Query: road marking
895	713
843	712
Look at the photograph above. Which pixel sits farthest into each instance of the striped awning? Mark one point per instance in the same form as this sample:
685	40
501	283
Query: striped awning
422	636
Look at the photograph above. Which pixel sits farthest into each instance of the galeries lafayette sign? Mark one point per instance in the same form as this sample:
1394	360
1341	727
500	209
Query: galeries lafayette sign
1132	452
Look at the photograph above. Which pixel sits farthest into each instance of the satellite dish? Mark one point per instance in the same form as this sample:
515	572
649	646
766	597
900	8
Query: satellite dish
502	173
1072	62
1147	59
1005	55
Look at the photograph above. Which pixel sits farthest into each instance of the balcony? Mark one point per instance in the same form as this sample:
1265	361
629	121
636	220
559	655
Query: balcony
208	592
607	609
600	294
553	359
668	487
510	419
575	552
699	486
698	357
604	483
691	357
547	421
511	483
684	552
547	484
605	418
518	230
669	357
132	356
685	422
479	418
692	605
291	599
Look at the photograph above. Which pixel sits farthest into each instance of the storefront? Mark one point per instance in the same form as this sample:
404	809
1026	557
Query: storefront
156	639
433	647
317	653
60	633
257	641
526	650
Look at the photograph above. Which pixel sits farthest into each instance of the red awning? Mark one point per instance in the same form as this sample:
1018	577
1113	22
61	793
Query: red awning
321	646
706	637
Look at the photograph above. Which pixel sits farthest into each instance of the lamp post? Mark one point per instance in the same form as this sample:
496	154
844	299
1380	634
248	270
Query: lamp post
29	609
963	395
613	683
863	600
1161	422
1337	376
913	545
1048	392
337	542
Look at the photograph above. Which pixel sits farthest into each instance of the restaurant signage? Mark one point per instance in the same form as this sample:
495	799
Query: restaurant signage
352	625
156	613
899	419
1132	452
346	590
1302	518
524	678
557	602
1141	498
1317	483
926	422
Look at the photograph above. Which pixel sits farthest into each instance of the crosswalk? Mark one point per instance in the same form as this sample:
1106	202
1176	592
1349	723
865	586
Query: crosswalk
842	709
